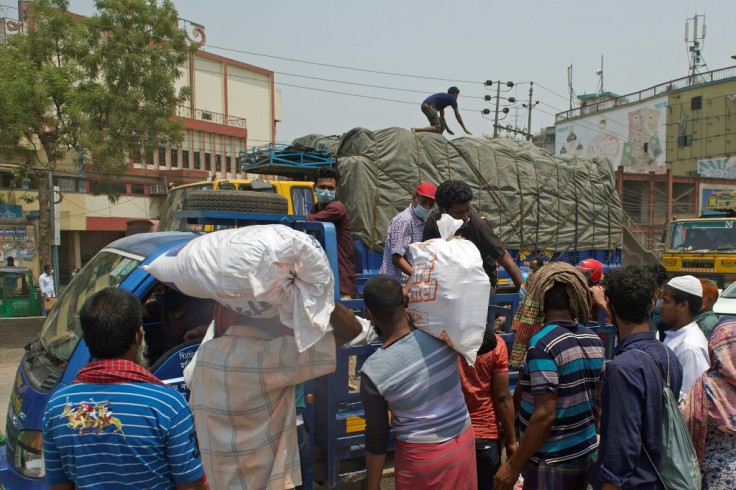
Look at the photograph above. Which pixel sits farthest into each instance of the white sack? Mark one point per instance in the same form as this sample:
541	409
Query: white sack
260	271
450	290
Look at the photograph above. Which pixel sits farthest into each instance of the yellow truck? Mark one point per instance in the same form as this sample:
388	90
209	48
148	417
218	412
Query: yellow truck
703	247
255	196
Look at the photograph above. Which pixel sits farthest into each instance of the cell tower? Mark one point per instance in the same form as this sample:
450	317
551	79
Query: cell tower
695	45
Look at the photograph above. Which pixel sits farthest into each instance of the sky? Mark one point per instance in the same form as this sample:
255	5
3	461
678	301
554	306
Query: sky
463	43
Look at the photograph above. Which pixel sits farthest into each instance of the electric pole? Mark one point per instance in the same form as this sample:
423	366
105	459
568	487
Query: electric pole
529	116
505	110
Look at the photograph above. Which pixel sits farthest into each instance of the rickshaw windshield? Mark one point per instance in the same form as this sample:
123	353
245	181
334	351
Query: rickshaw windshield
61	331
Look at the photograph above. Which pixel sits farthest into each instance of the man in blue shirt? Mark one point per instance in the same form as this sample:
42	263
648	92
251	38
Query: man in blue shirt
117	425
434	108
631	386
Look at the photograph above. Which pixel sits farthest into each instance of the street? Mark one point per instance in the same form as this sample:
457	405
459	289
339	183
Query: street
16	333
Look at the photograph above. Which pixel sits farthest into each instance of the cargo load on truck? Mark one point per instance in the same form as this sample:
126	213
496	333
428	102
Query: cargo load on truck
536	202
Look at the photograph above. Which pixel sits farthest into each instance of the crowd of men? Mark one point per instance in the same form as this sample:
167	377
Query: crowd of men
575	418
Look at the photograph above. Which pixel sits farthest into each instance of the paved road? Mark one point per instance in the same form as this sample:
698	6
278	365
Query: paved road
15	334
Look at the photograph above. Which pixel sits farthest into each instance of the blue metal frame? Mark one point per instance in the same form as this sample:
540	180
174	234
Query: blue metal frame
282	159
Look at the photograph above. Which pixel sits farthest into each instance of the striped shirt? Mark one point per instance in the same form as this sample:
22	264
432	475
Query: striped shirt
405	228
123	435
563	358
417	378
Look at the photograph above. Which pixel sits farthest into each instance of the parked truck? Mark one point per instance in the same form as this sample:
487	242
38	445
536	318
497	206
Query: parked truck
573	219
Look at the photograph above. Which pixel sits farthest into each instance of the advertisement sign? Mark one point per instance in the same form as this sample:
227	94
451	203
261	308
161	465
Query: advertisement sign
713	197
632	137
719	168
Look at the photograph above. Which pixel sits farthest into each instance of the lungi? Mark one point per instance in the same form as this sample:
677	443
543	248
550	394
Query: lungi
444	465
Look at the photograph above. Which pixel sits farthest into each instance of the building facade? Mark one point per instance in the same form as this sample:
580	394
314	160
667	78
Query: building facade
670	146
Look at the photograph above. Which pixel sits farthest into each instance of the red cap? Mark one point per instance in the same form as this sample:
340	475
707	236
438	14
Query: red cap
426	189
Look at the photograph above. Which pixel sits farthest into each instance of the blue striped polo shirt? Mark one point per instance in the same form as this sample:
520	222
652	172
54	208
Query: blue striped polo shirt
126	435
563	358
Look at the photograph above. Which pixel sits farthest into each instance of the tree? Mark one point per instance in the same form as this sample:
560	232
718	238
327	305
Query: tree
101	87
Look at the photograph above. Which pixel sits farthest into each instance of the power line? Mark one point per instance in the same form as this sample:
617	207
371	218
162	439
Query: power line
551	91
341	67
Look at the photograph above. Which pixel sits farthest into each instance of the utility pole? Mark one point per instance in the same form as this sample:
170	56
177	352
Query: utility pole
530	107
498	98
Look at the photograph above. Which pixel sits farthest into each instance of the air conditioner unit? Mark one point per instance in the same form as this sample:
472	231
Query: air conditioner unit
157	190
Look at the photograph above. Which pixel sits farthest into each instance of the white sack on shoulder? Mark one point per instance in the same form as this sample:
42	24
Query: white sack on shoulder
449	293
255	269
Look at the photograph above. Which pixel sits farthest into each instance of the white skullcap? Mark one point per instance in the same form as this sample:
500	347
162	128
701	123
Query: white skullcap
687	284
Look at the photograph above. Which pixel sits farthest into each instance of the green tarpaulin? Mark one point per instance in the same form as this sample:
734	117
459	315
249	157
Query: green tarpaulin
533	200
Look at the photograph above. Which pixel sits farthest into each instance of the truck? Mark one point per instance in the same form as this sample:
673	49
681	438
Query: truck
705	247
556	207
335	412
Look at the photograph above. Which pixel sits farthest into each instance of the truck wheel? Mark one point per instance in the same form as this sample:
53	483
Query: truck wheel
248	201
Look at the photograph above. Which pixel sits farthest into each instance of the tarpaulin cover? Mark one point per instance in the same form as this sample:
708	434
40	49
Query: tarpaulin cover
533	200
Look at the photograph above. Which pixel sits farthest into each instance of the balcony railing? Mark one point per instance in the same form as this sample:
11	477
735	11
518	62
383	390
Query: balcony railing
209	116
661	89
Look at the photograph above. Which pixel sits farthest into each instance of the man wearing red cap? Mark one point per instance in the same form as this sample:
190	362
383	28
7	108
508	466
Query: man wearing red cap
405	228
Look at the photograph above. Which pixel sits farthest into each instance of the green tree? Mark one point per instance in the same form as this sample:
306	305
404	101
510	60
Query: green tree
102	87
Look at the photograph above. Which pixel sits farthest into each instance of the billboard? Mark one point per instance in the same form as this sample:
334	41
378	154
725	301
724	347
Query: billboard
719	168
714	197
632	137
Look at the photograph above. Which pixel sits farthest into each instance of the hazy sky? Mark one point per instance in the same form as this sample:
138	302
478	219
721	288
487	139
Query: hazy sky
466	41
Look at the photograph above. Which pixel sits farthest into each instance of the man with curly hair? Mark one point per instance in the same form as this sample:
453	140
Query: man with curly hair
453	197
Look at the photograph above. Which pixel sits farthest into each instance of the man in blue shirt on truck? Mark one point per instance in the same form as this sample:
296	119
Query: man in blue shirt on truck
434	108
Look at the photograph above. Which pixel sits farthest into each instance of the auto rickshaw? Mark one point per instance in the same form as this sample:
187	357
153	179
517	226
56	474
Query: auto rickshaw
18	295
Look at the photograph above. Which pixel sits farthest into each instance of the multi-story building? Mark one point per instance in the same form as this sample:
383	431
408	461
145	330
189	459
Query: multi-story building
233	106
670	145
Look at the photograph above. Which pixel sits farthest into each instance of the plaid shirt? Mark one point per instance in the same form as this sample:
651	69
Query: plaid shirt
244	406
405	228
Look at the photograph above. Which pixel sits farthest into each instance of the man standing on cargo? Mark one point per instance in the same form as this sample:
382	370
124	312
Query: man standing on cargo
434	108
406	228
328	209
453	198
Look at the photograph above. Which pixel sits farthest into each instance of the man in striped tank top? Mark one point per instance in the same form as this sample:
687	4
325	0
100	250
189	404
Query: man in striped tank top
415	376
558	382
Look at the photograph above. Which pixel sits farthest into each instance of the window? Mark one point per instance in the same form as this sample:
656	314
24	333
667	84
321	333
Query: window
696	103
685	140
229	165
66	185
175	157
218	163
197	163
162	157
302	199
185	158
106	188
207	162
6	179
137	189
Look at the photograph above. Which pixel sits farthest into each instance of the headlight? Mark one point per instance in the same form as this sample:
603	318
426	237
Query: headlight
29	453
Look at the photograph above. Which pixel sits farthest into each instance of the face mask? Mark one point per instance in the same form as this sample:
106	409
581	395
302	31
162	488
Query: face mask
324	196
658	304
421	212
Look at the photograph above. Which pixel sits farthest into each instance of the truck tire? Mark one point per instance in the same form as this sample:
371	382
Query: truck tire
248	201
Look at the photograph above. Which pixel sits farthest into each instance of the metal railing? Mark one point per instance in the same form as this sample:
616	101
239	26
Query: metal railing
661	89
209	116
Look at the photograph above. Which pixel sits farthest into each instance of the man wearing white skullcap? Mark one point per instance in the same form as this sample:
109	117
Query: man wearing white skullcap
681	302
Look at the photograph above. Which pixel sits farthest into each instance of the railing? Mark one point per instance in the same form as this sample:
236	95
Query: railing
209	116
661	89
644	239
